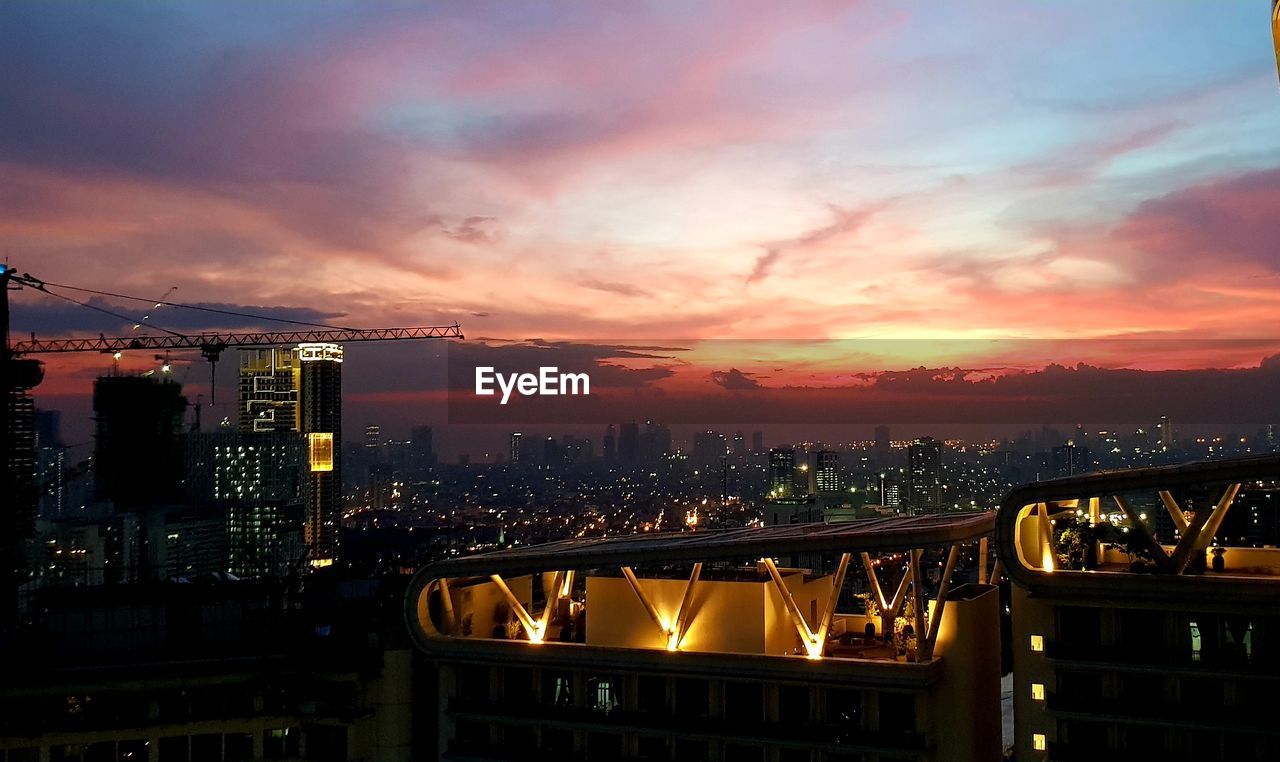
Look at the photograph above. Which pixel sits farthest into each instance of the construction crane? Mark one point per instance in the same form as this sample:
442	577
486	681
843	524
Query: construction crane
211	345
18	373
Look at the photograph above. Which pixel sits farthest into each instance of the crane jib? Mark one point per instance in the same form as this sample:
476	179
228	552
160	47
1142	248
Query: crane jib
224	340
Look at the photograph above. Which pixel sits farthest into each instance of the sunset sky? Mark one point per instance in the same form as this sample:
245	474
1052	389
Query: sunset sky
615	171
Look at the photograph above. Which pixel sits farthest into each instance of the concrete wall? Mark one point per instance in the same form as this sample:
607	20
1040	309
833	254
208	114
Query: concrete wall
1031	617
965	706
481	599
724	616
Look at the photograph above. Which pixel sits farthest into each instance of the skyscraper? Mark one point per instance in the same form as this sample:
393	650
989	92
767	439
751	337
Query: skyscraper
782	473
628	442
826	471
137	453
1070	459
269	384
882	445
925	463
513	447
320	419
757	441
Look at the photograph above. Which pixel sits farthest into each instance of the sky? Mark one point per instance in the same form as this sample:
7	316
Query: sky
610	172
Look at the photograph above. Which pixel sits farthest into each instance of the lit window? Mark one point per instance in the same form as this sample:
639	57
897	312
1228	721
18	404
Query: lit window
1038	742
1037	691
1037	642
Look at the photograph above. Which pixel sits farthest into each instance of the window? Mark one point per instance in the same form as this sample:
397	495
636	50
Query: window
1037	691
897	713
1037	643
237	747
174	749
280	743
793	704
604	697
1038	742
651	694
206	747
744	702
692	698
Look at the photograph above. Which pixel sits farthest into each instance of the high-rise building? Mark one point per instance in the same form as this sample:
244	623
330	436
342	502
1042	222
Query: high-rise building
826	472
739	445
513	447
269	384
782	473
372	437
609	445
924	457
1070	459
422	453
1164	429
257	481
628	442
320	420
137	455
708	449
882	445
757	441
1119	640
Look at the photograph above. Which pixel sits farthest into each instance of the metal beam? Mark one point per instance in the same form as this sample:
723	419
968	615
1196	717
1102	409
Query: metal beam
530	626
1137	525
686	604
917	596
793	611
944	587
663	624
1175	511
829	611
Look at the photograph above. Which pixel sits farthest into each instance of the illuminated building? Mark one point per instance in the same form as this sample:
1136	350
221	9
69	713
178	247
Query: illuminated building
826	472
320	419
1127	647
258	481
513	447
924	458
783	482
137	454
269	384
679	646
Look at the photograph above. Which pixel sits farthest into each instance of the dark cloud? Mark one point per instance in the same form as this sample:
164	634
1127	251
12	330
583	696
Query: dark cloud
734	379
1198	227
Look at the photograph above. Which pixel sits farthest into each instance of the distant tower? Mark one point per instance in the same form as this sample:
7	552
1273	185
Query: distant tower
609	445
422	451
739	444
628	442
1070	459
320	420
269	383
372	437
514	447
882	445
757	441
1166	433
925	462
